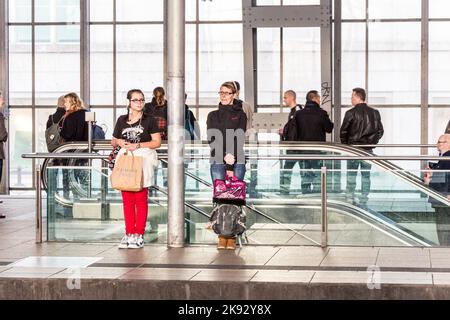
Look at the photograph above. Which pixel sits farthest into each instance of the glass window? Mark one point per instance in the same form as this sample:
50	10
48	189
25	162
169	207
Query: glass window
394	63
439	63
353	9
220	10
300	2
191	10
439	9
190	64
203	115
40	125
353	59
19	11
437	123
395	9
268	2
301	60
401	126
139	59
101	65
20	76
221	58
20	132
57	68
101	10
269	66
140	10
57	11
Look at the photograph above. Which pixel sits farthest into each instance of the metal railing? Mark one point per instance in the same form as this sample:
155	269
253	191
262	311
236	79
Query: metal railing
104	145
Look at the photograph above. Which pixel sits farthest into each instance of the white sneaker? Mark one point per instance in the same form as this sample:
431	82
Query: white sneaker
139	241
124	242
132	244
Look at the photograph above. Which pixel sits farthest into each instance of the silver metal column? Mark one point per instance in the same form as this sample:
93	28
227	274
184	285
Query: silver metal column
424	79
337	87
175	114
4	84
326	58
250	55
85	52
38	205
324	220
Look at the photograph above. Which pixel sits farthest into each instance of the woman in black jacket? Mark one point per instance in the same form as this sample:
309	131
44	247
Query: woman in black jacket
74	125
226	135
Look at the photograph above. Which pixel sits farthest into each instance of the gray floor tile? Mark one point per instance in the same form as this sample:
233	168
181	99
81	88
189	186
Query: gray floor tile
93	273
160	274
341	277
224	275
55	262
412	278
283	276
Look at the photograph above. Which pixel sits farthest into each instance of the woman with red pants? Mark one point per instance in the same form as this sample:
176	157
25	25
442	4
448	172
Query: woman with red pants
138	133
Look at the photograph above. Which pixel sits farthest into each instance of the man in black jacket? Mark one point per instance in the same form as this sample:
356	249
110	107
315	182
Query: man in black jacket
313	123
440	181
361	125
289	133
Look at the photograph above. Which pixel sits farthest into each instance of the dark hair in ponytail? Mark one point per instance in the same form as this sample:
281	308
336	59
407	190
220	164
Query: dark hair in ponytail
160	96
129	95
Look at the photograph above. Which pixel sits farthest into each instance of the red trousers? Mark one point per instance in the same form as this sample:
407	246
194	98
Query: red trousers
135	210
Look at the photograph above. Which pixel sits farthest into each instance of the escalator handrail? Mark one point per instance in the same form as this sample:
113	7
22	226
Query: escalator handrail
330	147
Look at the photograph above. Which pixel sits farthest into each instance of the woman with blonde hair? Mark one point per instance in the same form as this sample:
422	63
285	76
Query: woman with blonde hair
74	125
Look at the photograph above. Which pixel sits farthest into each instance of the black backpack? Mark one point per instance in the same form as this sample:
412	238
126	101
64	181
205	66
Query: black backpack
228	220
290	131
52	135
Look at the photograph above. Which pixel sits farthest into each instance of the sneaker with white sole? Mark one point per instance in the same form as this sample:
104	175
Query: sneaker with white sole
124	242
139	241
132	244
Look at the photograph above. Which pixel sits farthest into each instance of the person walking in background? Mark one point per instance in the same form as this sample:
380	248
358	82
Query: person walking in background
361	125
440	181
157	108
246	107
74	126
58	114
191	127
313	123
136	132
289	133
3	139
56	118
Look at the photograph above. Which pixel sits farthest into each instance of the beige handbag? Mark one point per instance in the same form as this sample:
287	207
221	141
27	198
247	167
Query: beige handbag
127	173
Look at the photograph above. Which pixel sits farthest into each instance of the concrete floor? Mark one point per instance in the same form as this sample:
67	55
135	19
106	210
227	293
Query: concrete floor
78	270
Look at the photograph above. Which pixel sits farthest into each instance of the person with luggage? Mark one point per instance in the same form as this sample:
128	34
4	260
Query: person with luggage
136	132
226	128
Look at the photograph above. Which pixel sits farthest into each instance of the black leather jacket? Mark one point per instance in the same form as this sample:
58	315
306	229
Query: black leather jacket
362	125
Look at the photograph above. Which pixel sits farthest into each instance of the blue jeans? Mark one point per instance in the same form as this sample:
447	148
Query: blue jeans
218	171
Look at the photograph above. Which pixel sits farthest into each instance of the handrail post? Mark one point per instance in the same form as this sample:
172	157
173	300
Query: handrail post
324	220
89	117
38	204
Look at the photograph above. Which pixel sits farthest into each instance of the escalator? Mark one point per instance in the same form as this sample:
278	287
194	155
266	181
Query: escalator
294	219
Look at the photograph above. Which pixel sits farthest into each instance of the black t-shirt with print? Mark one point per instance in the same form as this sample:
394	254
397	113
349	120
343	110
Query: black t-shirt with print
138	132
